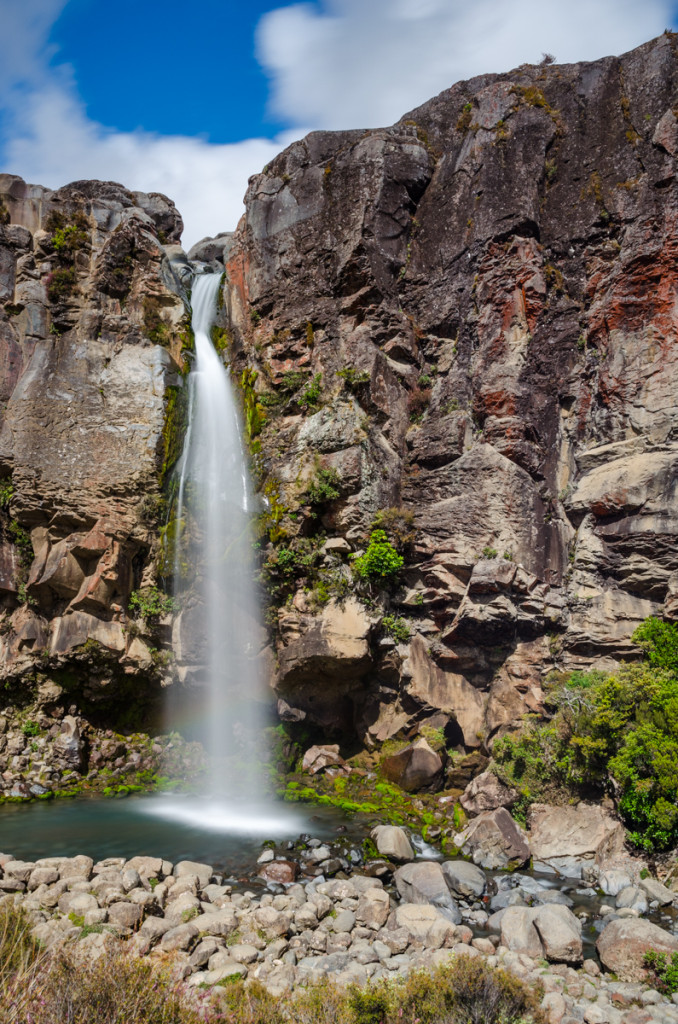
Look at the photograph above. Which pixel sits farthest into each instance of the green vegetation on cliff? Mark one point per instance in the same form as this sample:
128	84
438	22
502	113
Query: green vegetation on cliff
609	733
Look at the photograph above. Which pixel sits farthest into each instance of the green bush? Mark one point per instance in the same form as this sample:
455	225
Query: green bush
659	642
662	973
150	602
396	628
353	379
615	733
310	396
380	563
324	487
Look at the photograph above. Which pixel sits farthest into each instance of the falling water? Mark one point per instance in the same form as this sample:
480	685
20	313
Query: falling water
219	629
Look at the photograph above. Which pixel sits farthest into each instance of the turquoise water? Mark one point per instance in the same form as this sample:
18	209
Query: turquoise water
157	827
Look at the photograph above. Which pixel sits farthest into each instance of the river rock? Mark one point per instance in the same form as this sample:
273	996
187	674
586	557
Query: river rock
424	882
494	840
560	933
425	923
414	768
568	839
486	793
654	891
282	872
464	879
392	842
622	944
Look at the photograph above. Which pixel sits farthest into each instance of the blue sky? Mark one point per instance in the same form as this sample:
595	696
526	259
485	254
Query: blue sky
191	100
168	71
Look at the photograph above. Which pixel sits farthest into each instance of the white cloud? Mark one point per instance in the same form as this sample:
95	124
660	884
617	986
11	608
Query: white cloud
351	64
49	140
364	63
57	143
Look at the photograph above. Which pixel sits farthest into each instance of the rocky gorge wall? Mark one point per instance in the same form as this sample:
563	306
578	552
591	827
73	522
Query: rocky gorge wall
465	322
470	317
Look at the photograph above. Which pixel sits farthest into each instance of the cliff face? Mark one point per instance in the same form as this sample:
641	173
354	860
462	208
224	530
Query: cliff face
488	290
466	322
89	341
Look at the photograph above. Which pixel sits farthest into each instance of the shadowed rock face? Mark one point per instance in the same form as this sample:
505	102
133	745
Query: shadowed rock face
87	293
499	268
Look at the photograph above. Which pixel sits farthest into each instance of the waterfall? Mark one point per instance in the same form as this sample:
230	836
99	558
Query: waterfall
218	627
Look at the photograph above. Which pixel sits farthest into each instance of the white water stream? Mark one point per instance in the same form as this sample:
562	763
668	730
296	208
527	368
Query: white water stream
214	584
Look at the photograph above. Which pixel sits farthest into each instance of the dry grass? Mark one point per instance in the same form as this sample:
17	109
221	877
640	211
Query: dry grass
117	987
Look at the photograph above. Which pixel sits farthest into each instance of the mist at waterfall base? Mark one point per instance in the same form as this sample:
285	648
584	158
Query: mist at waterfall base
219	622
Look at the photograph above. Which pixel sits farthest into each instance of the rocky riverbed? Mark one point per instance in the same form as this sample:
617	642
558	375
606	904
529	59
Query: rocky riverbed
314	909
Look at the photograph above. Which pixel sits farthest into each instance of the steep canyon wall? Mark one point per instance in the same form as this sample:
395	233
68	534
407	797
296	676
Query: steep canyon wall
469	317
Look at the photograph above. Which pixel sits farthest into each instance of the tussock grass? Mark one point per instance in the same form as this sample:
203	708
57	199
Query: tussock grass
73	986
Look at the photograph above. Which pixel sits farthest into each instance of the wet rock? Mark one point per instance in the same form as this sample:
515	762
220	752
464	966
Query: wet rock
392	842
567	839
283	872
464	879
316	759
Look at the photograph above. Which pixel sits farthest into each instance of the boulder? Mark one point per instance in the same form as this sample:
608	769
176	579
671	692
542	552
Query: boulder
623	943
392	842
567	839
487	793
560	934
551	932
654	890
424	882
318	758
464	879
494	841
282	872
415	768
425	924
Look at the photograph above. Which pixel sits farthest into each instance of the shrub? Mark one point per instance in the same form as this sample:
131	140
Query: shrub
398	523
659	642
324	487
662	973
150	602
61	283
380	563
396	628
489	552
353	379
418	402
310	396
617	733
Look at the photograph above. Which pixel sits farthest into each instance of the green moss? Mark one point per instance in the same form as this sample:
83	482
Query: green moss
253	411
176	415
157	331
4	213
221	339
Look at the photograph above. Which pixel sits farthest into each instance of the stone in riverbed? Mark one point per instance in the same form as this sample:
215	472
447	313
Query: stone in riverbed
656	891
567	839
283	872
182	937
392	842
494	841
623	943
203	872
424	882
463	878
125	915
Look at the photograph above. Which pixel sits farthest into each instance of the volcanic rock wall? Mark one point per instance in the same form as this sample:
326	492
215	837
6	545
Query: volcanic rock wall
469	317
488	291
90	335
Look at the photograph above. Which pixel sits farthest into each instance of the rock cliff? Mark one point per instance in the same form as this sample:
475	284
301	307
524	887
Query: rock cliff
472	316
462	327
